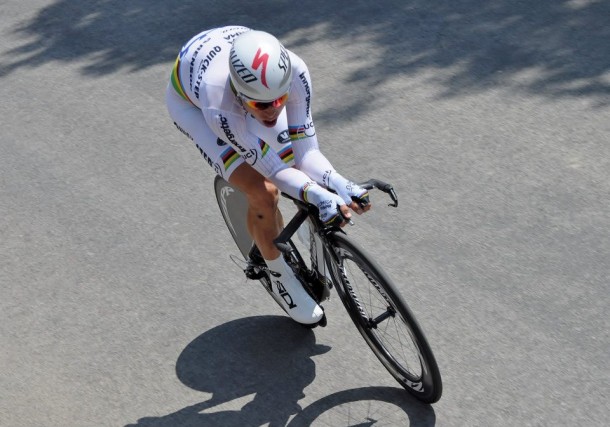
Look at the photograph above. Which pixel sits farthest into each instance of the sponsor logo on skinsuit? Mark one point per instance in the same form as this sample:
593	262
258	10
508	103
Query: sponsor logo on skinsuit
283	137
302	131
307	91
251	157
224	124
183	131
203	67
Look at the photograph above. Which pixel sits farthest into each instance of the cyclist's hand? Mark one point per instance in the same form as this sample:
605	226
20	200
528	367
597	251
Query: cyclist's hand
356	197
331	207
333	210
361	203
346	215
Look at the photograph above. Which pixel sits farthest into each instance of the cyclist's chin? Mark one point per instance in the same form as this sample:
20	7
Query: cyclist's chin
269	123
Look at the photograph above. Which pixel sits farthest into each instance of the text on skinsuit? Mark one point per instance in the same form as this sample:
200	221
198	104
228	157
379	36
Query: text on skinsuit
192	65
307	91
224	124
204	66
187	46
234	32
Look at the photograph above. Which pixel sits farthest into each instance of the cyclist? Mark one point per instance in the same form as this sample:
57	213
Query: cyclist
245	101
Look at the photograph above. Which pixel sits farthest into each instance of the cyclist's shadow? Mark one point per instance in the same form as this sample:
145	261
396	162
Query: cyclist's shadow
268	356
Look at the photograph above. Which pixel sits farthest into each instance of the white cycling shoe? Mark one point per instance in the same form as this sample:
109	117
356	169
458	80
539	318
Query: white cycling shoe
293	298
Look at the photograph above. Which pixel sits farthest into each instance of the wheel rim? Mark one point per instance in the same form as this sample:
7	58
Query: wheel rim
382	324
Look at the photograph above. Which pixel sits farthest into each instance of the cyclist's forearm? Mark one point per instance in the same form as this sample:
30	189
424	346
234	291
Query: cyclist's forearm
315	164
298	185
318	168
290	181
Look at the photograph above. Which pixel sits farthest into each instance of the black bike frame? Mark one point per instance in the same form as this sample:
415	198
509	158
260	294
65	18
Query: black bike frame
308	210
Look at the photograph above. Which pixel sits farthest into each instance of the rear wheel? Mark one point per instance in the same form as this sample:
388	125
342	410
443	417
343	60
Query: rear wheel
233	207
384	320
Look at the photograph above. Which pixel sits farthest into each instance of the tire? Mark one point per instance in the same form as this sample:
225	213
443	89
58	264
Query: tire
396	339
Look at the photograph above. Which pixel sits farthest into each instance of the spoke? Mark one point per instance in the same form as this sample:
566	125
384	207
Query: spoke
383	320
403	347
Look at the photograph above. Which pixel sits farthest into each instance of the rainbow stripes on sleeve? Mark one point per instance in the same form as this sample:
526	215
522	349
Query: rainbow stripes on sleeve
176	83
264	147
297	132
286	154
303	191
229	156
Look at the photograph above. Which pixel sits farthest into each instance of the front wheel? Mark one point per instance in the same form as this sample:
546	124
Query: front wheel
384	320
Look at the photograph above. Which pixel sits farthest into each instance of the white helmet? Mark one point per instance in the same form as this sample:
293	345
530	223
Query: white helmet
260	66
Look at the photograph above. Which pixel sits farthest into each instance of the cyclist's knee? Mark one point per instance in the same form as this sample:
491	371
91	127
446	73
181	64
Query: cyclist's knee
264	195
260	192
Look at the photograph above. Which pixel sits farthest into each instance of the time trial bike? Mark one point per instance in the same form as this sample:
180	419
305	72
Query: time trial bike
329	259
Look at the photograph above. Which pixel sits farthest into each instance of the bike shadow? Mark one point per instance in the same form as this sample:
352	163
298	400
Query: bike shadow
367	406
256	369
269	357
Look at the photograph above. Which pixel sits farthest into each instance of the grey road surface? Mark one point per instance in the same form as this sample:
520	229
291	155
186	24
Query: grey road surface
120	306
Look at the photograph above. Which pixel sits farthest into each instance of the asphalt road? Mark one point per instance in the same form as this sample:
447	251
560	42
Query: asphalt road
119	304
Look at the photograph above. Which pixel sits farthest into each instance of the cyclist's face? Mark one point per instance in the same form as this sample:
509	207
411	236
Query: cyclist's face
268	117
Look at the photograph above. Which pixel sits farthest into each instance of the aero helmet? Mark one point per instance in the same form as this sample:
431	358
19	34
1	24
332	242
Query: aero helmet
260	66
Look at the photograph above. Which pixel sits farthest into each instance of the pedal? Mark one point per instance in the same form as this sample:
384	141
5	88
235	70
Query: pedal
256	265
255	256
254	273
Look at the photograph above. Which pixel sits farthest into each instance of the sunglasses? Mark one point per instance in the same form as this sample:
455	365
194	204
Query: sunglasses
261	105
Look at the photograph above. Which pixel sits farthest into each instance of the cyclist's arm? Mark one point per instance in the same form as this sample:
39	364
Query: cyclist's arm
296	183
290	179
256	152
318	168
307	155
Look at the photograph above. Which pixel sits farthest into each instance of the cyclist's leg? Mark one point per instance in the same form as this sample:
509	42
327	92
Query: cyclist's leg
264	217
265	224
264	220
189	120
